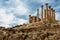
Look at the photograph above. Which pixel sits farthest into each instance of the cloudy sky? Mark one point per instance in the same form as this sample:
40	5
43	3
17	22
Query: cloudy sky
15	12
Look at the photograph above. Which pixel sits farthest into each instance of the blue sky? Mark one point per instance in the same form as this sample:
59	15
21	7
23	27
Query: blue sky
16	12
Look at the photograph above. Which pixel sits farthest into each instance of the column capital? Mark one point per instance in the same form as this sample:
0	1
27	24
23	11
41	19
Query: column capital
41	5
38	13
49	6
53	10
37	9
46	3
29	15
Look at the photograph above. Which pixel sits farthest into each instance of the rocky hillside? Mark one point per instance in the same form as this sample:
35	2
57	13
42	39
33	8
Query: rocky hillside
34	31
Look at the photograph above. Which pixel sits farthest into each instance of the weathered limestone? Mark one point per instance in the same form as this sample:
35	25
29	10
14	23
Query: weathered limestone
53	15
33	19
46	11
38	13
50	13
47	14
44	14
42	11
30	19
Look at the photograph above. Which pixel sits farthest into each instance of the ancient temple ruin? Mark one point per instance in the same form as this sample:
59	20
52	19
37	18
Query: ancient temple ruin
48	14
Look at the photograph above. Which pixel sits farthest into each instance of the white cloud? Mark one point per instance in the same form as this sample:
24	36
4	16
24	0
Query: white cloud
57	16
7	16
48	1
21	10
43	1
7	19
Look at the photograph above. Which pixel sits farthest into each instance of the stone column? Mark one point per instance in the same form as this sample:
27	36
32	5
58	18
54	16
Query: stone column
33	19
42	11
44	14
53	15
49	13
46	11
37	15
29	18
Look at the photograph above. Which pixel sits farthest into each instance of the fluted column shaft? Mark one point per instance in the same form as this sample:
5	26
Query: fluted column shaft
50	13
42	11
53	15
46	11
37	15
29	18
44	14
